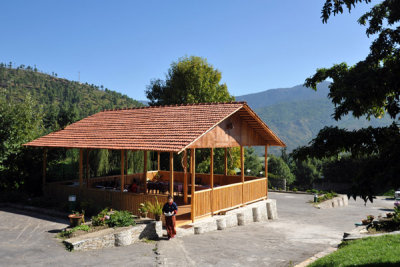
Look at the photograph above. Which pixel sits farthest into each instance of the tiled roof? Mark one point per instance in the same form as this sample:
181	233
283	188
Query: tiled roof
161	128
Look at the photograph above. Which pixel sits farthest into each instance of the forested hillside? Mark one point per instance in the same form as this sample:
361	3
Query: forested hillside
61	100
297	114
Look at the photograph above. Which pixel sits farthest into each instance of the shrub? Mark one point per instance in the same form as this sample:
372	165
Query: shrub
100	219
120	219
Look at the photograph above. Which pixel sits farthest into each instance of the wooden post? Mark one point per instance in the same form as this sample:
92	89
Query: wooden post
185	182
242	170
158	160
226	162
193	165
266	167
122	170
80	167
44	169
212	179
87	167
145	171
171	173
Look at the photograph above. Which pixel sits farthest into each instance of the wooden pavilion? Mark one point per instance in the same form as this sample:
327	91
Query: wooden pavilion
172	129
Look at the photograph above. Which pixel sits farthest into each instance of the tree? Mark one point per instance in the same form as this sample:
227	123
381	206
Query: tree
190	80
280	169
194	80
19	123
252	162
369	88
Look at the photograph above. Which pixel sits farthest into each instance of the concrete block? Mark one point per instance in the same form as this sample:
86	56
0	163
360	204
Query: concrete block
198	230
123	238
231	220
256	214
240	218
271	209
221	224
340	202
345	200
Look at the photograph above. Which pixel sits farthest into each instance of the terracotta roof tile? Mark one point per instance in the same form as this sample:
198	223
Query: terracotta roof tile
161	128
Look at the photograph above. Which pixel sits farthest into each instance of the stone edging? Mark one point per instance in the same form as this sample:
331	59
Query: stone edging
115	237
260	211
339	201
360	232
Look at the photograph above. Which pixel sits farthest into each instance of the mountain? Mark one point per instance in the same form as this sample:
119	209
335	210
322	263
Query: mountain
297	114
62	101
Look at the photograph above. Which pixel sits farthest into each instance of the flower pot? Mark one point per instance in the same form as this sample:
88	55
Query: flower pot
75	220
143	214
157	217
365	222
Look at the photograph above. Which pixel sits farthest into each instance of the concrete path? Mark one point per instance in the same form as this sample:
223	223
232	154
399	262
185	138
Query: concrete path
300	232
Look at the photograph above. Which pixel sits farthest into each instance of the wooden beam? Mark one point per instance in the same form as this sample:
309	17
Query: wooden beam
212	178
158	160
87	167
193	166
226	162
80	168
44	169
266	166
242	169
185	182
122	170
171	173
145	171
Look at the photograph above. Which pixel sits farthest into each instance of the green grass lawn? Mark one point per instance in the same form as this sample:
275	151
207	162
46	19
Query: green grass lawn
371	251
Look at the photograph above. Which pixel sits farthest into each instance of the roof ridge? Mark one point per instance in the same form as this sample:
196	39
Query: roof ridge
179	105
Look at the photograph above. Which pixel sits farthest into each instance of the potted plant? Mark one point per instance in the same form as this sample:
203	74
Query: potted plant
76	218
143	210
155	209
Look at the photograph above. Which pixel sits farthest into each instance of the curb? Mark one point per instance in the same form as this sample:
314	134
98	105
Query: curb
316	257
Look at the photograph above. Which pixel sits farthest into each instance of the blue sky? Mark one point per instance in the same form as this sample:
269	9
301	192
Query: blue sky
257	45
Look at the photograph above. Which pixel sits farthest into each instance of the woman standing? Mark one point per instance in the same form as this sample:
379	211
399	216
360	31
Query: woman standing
170	209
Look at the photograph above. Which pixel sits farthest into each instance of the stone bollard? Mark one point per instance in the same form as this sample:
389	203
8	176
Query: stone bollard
221	224
198	230
240	218
340	202
256	214
271	209
123	238
345	200
159	230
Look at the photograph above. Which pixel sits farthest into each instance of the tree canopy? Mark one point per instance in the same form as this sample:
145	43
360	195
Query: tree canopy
369	88
189	80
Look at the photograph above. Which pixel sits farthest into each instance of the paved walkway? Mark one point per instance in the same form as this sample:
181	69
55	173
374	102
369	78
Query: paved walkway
300	232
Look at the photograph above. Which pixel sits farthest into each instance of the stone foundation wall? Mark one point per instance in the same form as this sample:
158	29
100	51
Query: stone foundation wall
112	237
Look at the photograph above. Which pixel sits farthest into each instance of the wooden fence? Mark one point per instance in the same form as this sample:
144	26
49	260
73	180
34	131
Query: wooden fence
102	198
229	196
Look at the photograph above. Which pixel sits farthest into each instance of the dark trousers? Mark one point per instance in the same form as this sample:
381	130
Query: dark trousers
170	223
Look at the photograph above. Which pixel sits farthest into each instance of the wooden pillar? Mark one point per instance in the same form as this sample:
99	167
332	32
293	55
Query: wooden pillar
145	171
158	160
87	167
122	170
171	173
80	167
193	166
185	182
266	167
226	162
212	179
242	170
44	169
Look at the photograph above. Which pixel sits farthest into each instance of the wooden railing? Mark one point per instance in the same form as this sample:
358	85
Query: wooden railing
226	197
102	198
254	190
202	203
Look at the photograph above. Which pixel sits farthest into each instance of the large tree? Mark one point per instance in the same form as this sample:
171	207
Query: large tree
369	88
189	80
